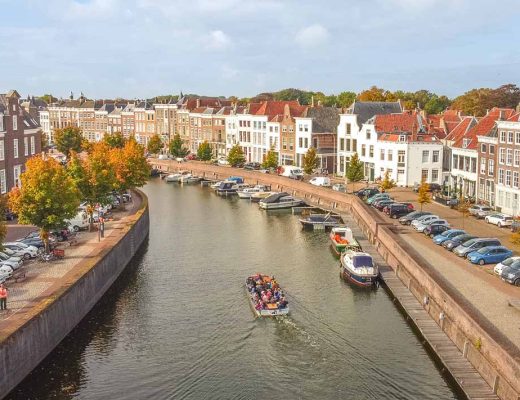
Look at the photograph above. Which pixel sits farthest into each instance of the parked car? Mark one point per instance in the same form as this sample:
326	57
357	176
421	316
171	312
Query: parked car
5	273
222	161
366	192
28	251
397	210
320	181
499	219
435	229
339	187
447	235
291	171
474	209
424	218
432	187
380	204
377	196
191	156
80	221
13	262
506	263
475	244
511	274
407	219
489	255
456	241
36	242
252	166
14	251
423	225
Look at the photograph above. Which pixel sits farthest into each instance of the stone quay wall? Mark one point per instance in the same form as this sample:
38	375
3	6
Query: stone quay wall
492	354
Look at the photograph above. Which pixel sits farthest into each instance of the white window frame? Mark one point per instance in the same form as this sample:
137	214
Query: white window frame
15	148
33	147
26	146
3	182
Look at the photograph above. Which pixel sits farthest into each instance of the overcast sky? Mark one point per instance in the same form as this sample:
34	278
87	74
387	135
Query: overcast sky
142	48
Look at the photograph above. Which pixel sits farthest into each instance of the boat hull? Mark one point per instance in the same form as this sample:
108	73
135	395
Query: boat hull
368	280
265	313
279	206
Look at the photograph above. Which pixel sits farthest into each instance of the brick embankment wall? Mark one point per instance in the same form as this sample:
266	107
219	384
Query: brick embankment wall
494	356
47	324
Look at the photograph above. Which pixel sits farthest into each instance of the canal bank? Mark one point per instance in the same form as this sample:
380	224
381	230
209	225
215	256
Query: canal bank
35	329
492	354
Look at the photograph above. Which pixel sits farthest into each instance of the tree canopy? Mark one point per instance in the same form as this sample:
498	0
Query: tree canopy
155	144
130	166
68	139
355	169
236	156
177	148
477	101
310	160
115	139
271	159
204	151
387	183
423	194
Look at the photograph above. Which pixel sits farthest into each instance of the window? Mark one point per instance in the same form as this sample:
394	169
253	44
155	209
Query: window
465	142
347	142
300	142
517	137
509	159
502	156
424	175
284	143
368	134
2	155
483	165
502	137
371	149
348	129
491	167
508	177
515	179
510	136
16	173
26	146
483	148
342	144
390	155
435	175
425	156
501	176
516	160
435	156
400	158
402	138
363	150
3	184
15	122
15	148
382	156
455	161
491	149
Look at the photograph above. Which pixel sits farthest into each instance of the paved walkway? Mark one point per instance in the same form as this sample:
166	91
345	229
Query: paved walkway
41	277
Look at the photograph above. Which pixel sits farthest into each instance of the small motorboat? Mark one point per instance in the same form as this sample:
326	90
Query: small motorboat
256	197
342	239
246	193
176	177
215	185
227	187
280	200
184	178
194	179
321	221
265	296
359	268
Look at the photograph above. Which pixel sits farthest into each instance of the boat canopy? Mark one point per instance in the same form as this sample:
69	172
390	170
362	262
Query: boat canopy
275	197
363	260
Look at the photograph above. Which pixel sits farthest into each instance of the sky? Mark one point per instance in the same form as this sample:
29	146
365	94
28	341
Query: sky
143	48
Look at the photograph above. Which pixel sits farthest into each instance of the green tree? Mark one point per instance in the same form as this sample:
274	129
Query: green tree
345	99
48	98
155	144
44	141
310	160
204	152
423	194
355	169
93	176
115	139
177	148
68	139
47	197
236	156
271	159
372	94
437	104
387	183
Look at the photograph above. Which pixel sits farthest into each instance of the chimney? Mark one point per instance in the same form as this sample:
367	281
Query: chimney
71	96
198	103
501	115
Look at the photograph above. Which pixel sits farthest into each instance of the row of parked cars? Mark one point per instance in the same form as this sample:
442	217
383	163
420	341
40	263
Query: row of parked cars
481	211
14	254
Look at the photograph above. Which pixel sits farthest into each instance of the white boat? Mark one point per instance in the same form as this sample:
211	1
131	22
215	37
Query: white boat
216	185
256	197
185	178
359	268
176	177
194	179
259	285
246	193
280	200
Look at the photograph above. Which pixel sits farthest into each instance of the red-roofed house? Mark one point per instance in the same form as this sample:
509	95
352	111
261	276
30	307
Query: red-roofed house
401	144
464	144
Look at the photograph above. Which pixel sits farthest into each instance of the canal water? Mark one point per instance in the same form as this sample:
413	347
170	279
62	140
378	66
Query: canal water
177	325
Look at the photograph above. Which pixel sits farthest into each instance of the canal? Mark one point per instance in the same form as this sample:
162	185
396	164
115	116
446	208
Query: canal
177	324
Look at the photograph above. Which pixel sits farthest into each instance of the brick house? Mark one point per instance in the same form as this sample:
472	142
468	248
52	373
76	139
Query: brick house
487	162
20	138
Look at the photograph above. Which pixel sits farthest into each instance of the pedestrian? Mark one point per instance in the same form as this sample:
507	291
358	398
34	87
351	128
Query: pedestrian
102	226
3	297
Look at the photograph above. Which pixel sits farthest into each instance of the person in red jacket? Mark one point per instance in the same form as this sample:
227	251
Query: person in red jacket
3	297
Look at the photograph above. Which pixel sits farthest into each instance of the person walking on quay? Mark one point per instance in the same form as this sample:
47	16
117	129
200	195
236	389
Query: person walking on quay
3	297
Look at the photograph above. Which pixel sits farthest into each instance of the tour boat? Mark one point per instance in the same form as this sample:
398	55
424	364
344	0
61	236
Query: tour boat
261	289
359	268
256	197
279	200
342	239
321	221
246	193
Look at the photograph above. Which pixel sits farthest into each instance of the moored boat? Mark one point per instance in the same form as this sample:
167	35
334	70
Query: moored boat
185	178
265	296
359	268
321	221
216	185
280	200
256	197
176	177
342	239
246	193
194	179
227	187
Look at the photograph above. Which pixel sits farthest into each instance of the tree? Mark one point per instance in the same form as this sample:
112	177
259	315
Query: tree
115	139
48	98
177	148
423	194
387	183
44	141
271	159
93	176
345	99
355	169
463	207
47	197
515	237
437	104
372	94
236	156
130	167
68	139
310	160
204	151
155	144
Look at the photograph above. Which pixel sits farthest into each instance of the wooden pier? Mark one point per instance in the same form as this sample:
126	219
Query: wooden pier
468	380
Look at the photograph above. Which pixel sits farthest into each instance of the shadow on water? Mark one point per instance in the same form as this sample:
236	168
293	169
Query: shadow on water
61	374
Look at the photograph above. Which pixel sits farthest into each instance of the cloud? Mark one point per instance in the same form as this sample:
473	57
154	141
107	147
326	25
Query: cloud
312	36
218	40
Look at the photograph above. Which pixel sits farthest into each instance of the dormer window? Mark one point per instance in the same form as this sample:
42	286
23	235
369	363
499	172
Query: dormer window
402	138
465	142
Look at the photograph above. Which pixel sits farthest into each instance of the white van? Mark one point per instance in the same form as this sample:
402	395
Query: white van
291	171
320	181
80	221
